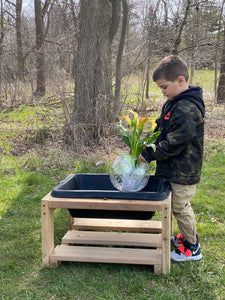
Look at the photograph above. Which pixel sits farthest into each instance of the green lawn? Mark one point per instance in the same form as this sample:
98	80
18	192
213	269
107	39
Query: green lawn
27	174
24	182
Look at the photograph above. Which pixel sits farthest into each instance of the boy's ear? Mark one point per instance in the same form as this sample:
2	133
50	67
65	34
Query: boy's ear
181	80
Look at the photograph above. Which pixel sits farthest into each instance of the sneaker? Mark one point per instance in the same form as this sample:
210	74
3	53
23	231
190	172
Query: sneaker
177	240
186	252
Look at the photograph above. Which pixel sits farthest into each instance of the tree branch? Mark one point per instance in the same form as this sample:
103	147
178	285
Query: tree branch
13	4
200	45
45	7
178	39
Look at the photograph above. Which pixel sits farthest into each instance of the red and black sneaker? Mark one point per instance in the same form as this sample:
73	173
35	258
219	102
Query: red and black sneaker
177	240
187	252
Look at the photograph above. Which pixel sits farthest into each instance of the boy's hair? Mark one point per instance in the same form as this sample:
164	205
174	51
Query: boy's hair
170	68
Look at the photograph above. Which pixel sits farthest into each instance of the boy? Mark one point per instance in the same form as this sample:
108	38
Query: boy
179	149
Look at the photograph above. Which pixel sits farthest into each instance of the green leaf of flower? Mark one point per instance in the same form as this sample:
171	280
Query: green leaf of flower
126	141
126	136
153	146
150	139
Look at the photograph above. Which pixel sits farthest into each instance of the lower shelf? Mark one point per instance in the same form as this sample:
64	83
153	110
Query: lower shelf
106	255
112	238
113	224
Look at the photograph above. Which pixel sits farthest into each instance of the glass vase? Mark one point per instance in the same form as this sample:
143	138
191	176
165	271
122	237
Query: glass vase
129	174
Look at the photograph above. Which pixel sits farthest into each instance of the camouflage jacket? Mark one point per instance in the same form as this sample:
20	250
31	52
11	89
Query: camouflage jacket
179	147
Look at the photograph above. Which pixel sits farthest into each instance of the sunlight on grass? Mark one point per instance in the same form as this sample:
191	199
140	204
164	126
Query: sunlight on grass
133	94
205	79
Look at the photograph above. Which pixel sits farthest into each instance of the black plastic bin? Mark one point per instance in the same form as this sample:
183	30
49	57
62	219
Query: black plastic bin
100	186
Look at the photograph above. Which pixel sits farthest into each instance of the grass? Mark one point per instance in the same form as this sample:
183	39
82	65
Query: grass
26	176
205	79
23	277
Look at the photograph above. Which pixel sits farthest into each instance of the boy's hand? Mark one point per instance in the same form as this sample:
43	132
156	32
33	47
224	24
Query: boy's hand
142	159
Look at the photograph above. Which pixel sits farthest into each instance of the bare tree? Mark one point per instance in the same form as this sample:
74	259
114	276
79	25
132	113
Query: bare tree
75	22
16	16
93	72
221	84
180	30
19	39
91	44
119	58
40	52
1	41
40	56
149	46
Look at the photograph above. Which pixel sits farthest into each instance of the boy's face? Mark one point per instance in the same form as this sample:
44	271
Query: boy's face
170	89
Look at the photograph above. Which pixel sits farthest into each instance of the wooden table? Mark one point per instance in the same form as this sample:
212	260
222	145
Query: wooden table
144	242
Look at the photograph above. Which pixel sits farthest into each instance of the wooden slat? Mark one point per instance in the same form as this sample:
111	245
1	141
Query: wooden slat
113	238
47	231
159	257
106	255
117	224
105	204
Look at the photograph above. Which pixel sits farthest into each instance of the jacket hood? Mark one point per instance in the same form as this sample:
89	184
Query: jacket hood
193	94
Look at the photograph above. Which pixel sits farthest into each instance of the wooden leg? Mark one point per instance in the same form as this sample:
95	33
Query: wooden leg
171	217
47	231
166	232
158	269
70	221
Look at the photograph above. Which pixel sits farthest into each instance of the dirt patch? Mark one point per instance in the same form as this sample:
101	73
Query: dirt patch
19	141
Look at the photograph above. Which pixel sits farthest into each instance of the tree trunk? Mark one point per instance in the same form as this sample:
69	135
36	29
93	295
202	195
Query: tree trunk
221	84
93	75
217	46
19	39
1	43
150	29
119	58
75	21
40	55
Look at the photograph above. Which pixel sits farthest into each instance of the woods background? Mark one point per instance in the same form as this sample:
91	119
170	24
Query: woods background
76	54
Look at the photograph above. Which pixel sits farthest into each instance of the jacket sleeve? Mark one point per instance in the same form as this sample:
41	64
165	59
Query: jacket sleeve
182	129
